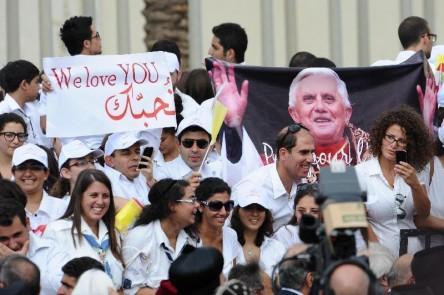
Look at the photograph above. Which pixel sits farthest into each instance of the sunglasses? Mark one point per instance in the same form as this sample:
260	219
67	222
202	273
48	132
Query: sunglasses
217	205
201	143
305	186
293	128
32	167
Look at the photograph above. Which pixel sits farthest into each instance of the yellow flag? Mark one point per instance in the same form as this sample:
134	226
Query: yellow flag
219	113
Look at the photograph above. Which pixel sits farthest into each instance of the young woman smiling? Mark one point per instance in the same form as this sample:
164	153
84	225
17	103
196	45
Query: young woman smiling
12	135
87	227
214	196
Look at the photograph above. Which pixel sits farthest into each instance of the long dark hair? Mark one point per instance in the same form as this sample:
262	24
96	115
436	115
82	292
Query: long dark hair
266	229
74	210
163	193
62	186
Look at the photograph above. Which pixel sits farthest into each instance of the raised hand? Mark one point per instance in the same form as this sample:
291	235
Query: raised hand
230	97
427	100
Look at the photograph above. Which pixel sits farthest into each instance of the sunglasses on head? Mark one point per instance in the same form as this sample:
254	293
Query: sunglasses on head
217	205
201	143
305	186
293	128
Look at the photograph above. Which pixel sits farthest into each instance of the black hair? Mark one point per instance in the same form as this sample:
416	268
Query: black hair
232	36
10	208
10	190
14	72
266	229
77	266
207	188
18	268
411	29
198	85
12	118
322	62
53	168
74	31
301	59
310	190
167	46
287	139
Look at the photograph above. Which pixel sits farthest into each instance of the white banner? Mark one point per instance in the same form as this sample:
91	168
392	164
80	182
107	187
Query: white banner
108	93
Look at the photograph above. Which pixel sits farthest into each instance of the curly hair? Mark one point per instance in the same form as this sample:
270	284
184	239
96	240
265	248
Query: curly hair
266	229
419	143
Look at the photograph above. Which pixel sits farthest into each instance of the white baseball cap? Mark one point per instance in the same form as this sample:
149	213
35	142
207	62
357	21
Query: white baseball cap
27	152
122	140
76	149
247	194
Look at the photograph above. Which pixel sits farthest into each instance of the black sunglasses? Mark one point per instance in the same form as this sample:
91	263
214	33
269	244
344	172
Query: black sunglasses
305	186
217	205
293	128
201	143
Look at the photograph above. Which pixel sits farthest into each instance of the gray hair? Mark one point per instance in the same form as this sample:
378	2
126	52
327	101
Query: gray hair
326	72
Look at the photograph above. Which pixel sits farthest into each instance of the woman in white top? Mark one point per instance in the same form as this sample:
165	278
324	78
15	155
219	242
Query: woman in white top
12	135
30	170
304	203
395	193
214	195
435	220
253	223
159	235
87	227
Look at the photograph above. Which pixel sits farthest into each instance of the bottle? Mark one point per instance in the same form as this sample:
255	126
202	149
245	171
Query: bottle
128	215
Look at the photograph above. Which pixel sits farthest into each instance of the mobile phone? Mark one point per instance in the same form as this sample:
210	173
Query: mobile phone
401	155
147	152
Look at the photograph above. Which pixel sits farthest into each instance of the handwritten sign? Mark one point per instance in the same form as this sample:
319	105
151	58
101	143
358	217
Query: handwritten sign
108	93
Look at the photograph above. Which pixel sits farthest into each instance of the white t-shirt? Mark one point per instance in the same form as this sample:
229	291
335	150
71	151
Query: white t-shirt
128	189
383	206
288	235
148	255
231	249
59	232
436	194
272	252
49	210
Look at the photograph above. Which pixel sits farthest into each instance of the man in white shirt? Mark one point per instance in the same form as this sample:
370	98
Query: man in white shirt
21	82
122	157
194	134
16	238
415	34
278	181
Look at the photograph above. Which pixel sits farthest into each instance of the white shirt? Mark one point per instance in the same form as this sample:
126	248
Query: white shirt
50	260
281	203
128	189
49	210
59	232
272	252
288	235
231	249
178	169
29	113
382	206
436	191
148	255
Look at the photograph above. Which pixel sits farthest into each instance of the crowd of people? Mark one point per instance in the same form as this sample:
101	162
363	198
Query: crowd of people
212	222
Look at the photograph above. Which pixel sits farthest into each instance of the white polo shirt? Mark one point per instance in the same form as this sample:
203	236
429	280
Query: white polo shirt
178	169
148	255
49	210
128	189
29	113
50	260
281	203
382	206
59	232
231	249
272	252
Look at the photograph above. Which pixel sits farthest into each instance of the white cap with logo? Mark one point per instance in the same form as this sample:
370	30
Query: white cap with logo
27	152
122	140
76	149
